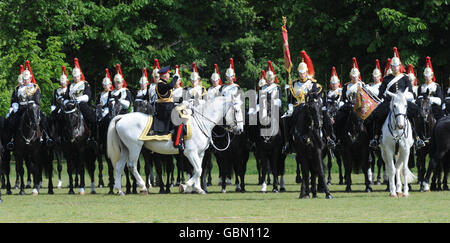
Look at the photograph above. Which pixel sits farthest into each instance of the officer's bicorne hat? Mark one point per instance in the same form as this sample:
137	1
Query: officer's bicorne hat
164	70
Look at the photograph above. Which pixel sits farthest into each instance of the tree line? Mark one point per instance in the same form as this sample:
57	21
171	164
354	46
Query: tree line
133	33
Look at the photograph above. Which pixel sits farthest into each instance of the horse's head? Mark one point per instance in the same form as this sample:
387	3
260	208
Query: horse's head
114	108
234	115
313	105
399	107
74	126
33	115
331	106
141	106
424	104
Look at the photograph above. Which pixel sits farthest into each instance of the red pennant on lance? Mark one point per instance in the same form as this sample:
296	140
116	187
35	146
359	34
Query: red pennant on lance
365	103
287	55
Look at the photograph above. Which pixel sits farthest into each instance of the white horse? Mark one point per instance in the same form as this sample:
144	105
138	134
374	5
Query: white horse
395	145
124	130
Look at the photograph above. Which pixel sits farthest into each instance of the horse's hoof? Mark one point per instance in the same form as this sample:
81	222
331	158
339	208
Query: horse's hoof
399	194
22	192
144	192
182	188
51	192
275	190
304	197
223	191
393	195
120	193
328	196
282	189
34	192
93	192
110	193
406	195
82	193
71	192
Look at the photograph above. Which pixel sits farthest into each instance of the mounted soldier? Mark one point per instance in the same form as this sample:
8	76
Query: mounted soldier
104	96
299	88
377	79
395	82
335	91
271	91
80	92
58	94
178	89
26	92
120	92
230	88
414	82
196	91
433	90
216	83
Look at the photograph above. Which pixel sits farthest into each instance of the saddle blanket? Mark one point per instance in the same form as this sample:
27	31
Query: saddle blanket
149	132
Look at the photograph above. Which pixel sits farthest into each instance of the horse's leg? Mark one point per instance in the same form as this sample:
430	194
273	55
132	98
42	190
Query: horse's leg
59	167
195	179
81	166
134	153
158	165
304	191
98	153
329	165
20	172
339	163
380	164
49	169
320	171
264	172
421	168
168	162
70	171
91	171
120	166
274	161
298	178
6	164
29	166
110	176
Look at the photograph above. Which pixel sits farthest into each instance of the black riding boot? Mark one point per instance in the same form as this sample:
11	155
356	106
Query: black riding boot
418	141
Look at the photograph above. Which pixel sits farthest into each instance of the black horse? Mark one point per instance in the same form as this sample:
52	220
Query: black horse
269	143
353	134
424	126
309	144
440	151
332	106
29	146
233	158
76	148
101	135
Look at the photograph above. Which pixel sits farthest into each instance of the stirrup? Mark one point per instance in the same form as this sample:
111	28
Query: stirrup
331	144
420	143
10	146
374	143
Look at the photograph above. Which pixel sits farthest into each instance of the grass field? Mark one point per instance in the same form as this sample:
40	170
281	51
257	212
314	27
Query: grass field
251	206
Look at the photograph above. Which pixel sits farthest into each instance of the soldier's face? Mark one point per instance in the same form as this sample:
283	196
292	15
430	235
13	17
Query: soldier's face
215	83
334	86
143	85
376	79
395	69
166	76
302	75
119	85
76	78
26	81
230	79
428	78
106	87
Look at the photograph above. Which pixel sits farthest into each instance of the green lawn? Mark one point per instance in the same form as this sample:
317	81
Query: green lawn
252	206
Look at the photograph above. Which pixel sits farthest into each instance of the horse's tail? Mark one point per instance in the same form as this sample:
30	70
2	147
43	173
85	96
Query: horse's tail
113	141
410	177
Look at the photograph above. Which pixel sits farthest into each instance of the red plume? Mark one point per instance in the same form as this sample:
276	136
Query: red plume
411	70
429	65
177	71
270	67
119	70
156	64
334	73
388	65
144	70
217	71
21	69
77	64
308	62
377	63
232	66
355	64
194	67
28	67
65	73
262	76
402	68
109	76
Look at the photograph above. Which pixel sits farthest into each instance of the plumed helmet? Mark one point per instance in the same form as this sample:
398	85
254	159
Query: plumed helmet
76	72
377	71
429	70
270	74
354	72
411	75
395	61
194	75
119	76
262	81
334	77
107	79
28	74
144	78
156	68
306	65
230	71
20	77
216	75
63	78
387	70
